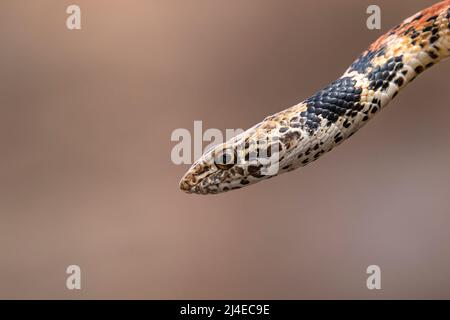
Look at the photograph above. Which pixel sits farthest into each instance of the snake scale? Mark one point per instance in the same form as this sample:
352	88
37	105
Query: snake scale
301	134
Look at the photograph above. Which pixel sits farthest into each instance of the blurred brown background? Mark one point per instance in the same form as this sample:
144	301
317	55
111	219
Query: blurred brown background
86	176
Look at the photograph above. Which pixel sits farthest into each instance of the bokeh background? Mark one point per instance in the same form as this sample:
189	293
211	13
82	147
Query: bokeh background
86	176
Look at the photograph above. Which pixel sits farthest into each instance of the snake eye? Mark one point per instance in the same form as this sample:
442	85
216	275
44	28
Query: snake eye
224	159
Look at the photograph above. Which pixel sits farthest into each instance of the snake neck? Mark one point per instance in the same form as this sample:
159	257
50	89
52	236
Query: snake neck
399	56
373	80
378	75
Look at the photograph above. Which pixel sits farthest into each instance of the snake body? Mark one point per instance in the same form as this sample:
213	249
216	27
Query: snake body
301	134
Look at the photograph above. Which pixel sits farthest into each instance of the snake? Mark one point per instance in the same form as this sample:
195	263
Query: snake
301	134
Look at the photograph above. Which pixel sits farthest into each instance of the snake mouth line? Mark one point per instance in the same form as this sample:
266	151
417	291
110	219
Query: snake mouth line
190	184
193	189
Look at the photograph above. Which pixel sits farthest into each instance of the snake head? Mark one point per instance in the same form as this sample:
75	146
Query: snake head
243	160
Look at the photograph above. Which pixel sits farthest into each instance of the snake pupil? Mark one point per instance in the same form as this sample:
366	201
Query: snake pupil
225	160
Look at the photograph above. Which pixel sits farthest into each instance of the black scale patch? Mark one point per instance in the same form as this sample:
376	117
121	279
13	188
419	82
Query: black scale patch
381	76
340	98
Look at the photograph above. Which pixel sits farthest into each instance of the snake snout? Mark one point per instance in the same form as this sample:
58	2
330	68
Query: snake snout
185	186
211	172
196	179
189	183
